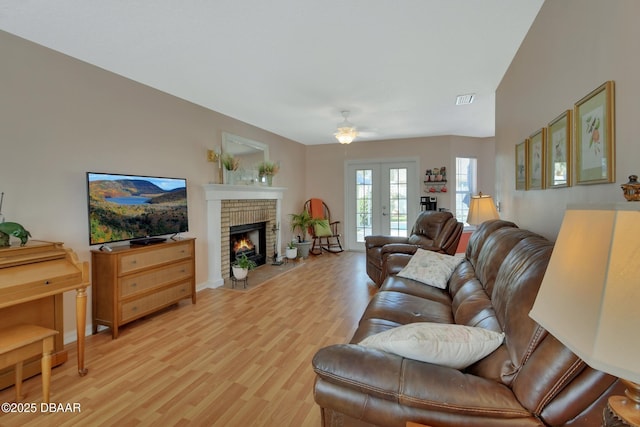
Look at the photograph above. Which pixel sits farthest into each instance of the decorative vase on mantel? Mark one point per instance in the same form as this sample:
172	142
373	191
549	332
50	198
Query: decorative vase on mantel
267	170
232	177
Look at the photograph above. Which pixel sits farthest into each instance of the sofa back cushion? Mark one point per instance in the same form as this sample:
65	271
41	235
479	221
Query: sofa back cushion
495	289
514	292
479	236
428	226
472	282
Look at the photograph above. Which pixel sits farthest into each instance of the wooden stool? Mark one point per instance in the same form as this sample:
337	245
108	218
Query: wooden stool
20	342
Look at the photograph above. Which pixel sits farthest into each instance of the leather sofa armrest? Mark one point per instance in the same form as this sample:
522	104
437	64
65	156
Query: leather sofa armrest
401	248
379	240
413	383
432	248
393	263
366	370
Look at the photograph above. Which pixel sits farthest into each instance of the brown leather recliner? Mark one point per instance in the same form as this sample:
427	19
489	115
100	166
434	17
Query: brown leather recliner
434	231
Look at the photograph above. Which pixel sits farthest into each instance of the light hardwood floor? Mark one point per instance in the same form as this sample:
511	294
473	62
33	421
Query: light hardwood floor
233	359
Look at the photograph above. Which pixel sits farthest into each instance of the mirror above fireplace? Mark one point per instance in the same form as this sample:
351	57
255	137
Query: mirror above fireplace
249	152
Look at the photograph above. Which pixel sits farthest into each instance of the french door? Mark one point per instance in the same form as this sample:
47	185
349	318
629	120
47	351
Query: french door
382	198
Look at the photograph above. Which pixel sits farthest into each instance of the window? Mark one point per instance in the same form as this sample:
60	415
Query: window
466	176
398	201
364	205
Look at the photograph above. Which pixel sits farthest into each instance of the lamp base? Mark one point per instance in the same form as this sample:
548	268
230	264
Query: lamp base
625	411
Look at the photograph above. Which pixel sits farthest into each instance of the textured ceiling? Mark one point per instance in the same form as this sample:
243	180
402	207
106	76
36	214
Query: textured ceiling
291	66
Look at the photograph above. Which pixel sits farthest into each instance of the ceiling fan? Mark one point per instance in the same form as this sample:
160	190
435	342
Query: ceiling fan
347	131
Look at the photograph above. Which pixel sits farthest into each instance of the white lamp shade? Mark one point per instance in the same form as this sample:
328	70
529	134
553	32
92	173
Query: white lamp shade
481	209
590	295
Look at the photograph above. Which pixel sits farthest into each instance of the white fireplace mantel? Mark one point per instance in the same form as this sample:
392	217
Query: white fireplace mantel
214	195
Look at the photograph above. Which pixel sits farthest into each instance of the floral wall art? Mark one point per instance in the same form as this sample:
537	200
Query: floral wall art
595	141
535	161
559	153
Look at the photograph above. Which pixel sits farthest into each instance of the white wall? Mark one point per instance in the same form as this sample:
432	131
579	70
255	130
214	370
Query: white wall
572	48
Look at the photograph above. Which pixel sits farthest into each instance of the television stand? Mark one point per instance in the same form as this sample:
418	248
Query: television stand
146	241
131	282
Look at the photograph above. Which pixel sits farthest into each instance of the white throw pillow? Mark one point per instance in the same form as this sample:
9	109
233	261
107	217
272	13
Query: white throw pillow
431	268
455	346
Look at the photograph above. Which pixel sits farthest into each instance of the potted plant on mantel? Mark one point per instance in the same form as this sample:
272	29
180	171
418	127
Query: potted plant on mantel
302	221
241	266
267	170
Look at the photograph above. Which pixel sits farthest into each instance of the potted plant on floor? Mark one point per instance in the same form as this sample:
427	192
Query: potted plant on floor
292	251
302	222
241	266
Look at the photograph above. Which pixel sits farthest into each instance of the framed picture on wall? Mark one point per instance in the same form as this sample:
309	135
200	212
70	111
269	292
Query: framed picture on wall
521	165
595	136
559	151
536	160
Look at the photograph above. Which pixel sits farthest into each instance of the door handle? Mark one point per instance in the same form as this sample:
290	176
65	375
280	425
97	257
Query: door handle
384	214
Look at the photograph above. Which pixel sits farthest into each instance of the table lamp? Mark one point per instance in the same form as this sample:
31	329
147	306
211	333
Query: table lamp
589	298
481	209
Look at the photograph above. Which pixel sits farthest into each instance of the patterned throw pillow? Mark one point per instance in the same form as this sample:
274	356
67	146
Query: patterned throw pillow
455	346
431	268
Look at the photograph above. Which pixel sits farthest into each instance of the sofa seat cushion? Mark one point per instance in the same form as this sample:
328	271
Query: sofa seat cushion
412	287
455	346
415	384
404	308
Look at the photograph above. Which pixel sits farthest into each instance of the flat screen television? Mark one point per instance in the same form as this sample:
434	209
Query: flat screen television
134	207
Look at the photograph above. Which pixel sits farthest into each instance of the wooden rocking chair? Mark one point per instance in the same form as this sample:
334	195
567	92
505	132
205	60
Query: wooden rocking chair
325	234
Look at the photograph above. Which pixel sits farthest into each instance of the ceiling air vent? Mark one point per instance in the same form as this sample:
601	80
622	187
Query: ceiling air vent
465	99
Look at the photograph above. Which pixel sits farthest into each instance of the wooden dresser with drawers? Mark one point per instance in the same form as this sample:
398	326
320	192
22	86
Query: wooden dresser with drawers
130	282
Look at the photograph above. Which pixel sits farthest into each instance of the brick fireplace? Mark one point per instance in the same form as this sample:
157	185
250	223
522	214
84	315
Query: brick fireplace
236	213
235	205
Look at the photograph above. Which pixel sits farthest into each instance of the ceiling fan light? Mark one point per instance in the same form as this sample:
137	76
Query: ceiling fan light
346	135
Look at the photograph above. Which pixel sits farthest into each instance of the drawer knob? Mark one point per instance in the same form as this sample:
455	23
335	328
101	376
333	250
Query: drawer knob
46	282
134	284
134	308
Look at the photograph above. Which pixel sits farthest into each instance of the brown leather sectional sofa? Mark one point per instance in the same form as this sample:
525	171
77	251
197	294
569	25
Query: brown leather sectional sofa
530	380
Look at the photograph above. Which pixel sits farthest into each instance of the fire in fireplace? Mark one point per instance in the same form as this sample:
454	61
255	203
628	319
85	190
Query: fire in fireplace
243	244
248	239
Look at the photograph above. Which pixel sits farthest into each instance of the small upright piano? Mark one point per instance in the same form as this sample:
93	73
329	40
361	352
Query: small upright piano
32	280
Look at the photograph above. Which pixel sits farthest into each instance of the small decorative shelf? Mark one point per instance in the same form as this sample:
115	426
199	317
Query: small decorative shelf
436	185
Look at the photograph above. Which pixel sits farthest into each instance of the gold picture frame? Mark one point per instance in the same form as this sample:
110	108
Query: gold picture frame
536	169
594	118
521	165
559	164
